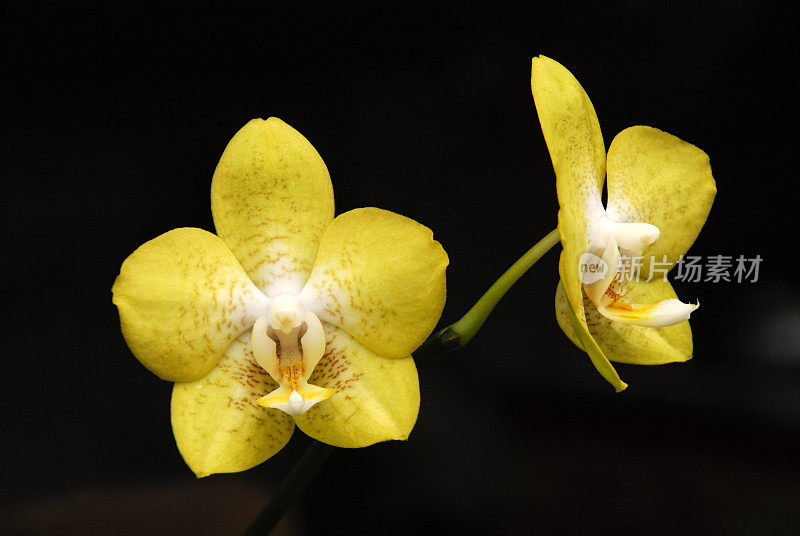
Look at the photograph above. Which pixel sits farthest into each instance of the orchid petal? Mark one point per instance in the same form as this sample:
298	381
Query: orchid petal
656	178
272	199
182	299
564	316
581	336
381	277
575	142
570	127
374	398
218	425
596	354
627	343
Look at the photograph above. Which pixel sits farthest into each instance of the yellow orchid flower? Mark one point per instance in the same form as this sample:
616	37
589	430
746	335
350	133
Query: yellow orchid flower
660	191
288	316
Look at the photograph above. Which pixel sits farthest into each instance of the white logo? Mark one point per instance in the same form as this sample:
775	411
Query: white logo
591	268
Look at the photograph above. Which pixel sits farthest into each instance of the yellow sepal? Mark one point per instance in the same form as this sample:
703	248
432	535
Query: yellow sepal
596	355
584	340
627	343
564	316
569	124
381	277
374	398
572	133
182	299
272	199
657	178
219	426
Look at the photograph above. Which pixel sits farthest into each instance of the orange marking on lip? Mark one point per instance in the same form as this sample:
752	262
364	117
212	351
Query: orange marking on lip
614	296
292	373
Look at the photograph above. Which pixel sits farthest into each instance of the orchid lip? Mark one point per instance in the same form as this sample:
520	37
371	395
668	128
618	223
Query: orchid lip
288	344
654	315
628	239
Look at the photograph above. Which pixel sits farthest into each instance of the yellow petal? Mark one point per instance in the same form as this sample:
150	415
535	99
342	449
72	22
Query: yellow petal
272	199
381	277
182	299
573	242
218	426
586	341
656	178
374	398
569	124
626	343
572	132
564	316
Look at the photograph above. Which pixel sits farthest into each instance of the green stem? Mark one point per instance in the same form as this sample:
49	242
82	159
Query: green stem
471	322
459	334
450	338
301	474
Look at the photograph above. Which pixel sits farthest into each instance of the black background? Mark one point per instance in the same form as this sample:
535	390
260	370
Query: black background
113	122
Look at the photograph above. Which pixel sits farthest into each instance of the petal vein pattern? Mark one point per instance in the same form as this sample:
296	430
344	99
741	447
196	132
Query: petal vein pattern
183	298
272	198
374	398
218	426
381	277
